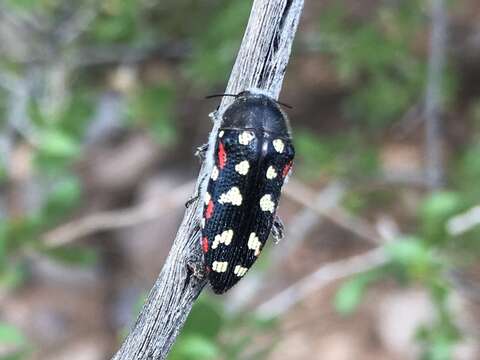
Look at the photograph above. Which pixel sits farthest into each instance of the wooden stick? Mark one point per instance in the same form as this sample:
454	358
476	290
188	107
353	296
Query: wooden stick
260	64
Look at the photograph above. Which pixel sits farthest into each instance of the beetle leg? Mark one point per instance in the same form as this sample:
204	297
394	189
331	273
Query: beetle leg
191	200
278	229
201	152
197	195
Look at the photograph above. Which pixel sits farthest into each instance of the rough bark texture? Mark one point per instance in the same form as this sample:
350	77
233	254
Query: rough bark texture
260	64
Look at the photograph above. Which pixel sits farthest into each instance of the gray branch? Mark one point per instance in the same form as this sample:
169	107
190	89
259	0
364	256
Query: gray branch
260	64
433	98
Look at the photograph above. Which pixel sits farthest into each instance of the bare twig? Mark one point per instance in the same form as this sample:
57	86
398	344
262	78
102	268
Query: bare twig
301	194
433	97
261	63
464	222
323	276
115	219
303	223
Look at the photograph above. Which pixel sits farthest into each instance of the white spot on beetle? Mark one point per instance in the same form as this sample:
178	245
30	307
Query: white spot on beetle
207	198
242	167
214	175
232	196
202	223
220	134
240	270
278	145
254	243
245	137
224	238
266	203
271	173
219	266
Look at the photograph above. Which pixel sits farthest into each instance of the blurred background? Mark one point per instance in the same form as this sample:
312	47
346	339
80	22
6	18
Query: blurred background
101	110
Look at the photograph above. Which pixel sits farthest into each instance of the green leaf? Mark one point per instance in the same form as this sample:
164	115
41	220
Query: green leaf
440	204
435	211
196	347
13	276
13	343
415	257
118	22
206	318
10	335
351	292
407	250
64	196
56	143
18	232
66	192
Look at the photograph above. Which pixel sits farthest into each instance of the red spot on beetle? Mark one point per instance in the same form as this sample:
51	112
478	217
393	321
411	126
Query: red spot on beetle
287	168
205	244
222	156
209	210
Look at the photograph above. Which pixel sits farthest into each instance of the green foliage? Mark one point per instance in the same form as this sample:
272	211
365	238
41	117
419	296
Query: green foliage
212	333
217	43
55	143
14	344
413	260
375	57
118	21
200	331
435	211
352	291
153	108
195	347
468	171
333	155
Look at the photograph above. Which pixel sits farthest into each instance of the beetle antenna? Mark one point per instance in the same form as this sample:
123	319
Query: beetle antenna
284	104
219	95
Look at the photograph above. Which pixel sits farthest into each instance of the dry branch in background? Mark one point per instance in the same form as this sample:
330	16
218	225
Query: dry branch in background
323	276
464	222
107	220
261	64
433	97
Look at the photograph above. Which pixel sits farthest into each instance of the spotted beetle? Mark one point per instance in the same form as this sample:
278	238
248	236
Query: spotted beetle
253	154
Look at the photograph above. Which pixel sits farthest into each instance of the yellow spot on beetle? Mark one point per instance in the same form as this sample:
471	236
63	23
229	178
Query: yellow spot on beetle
266	203
278	145
232	196
254	243
219	266
224	238
245	137
208	197
242	167
214	175
271	173
240	270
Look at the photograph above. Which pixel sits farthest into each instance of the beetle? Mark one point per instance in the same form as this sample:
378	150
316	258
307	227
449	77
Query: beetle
253	155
